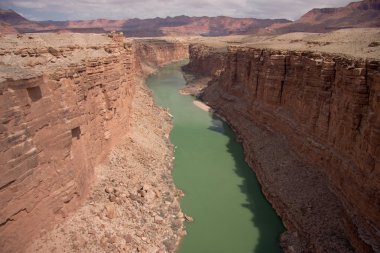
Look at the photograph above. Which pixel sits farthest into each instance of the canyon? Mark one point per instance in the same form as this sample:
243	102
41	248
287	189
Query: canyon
85	153
316	114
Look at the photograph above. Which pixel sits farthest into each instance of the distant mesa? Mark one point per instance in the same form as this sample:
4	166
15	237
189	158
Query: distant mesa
177	26
12	18
6	28
355	15
363	14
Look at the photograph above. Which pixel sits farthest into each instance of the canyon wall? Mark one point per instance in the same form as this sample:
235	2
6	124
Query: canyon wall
205	60
65	101
153	53
327	108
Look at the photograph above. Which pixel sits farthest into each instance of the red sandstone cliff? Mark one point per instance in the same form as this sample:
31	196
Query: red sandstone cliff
58	122
65	101
328	109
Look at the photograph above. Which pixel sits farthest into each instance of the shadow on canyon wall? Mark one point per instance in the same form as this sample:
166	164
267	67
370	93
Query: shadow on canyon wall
264	216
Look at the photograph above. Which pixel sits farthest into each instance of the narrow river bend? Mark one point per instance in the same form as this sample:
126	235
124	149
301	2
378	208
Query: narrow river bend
222	194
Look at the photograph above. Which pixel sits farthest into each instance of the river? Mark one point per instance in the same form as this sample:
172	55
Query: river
231	215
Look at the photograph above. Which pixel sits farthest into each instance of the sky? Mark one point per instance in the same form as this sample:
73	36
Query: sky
119	9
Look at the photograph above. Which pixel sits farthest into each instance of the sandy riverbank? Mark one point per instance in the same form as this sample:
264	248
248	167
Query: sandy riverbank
202	106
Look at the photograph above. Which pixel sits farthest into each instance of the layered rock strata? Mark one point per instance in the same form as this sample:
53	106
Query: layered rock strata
153	53
310	125
65	101
133	206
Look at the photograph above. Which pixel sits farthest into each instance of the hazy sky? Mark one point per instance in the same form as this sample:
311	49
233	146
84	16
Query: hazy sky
117	9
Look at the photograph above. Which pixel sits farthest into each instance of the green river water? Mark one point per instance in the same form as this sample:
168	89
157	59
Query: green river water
222	194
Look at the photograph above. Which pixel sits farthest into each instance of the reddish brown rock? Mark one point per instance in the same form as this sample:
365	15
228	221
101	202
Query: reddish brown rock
52	136
327	108
59	119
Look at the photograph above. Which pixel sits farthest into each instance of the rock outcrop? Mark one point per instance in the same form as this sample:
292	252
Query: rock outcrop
327	108
65	101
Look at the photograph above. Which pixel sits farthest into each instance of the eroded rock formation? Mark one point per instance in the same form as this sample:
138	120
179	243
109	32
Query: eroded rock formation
327	108
65	101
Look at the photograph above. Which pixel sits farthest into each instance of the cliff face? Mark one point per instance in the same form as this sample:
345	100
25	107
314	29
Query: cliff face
153	53
65	101
205	61
56	127
328	109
